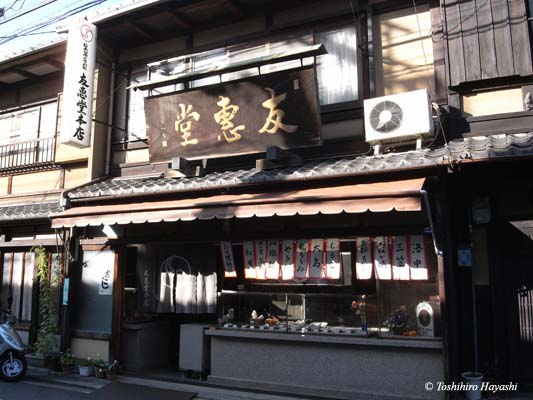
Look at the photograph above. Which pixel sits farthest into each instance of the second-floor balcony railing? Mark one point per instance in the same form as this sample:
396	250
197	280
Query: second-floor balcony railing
32	153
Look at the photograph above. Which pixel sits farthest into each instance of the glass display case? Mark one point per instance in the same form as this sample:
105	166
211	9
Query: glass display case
334	314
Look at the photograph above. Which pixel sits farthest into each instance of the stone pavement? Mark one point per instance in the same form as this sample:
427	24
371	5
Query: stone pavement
76	383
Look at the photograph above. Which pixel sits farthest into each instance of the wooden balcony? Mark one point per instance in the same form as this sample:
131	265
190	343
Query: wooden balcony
32	154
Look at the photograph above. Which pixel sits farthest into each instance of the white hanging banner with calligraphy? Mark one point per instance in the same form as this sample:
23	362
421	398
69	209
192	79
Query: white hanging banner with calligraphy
400	255
302	259
333	258
363	263
382	262
227	258
260	259
272	269
287	260
77	112
248	257
316	261
418	263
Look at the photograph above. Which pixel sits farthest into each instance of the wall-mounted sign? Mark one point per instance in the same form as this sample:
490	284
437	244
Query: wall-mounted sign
76	120
106	281
240	117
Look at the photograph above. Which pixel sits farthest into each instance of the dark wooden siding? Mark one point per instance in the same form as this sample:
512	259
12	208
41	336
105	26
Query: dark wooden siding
487	39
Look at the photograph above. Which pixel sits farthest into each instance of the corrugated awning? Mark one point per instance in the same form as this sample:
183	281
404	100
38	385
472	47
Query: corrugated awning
375	197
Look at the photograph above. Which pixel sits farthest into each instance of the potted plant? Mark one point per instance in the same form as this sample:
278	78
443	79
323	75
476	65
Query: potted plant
100	369
86	367
44	344
112	370
67	362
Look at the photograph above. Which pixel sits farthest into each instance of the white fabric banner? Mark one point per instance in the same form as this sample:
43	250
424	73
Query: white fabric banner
260	258
400	255
363	263
250	272
418	263
76	121
272	269
316	262
333	258
302	259
227	258
287	260
382	262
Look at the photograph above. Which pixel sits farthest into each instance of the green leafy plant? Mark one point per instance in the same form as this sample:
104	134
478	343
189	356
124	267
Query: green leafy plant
65	358
47	312
87	362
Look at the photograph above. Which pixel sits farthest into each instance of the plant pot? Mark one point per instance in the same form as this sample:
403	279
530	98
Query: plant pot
86	370
101	373
67	369
473	380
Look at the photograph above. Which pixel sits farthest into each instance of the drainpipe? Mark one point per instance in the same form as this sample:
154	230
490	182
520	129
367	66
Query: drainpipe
438	251
110	115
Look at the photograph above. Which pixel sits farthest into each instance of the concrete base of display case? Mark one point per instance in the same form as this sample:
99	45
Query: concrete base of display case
327	366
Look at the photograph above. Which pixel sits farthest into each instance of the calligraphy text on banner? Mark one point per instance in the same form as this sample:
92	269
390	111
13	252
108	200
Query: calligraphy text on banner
76	120
239	117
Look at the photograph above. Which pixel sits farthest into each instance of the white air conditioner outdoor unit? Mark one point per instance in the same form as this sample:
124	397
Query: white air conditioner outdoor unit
398	117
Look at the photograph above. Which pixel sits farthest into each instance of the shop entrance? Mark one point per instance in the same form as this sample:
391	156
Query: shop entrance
167	288
516	270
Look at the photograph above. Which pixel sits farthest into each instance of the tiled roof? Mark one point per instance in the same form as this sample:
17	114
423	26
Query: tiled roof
29	211
469	148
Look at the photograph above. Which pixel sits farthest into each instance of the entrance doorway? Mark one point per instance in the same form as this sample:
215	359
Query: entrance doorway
514	287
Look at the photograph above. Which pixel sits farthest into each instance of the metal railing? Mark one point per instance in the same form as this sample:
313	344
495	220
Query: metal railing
32	153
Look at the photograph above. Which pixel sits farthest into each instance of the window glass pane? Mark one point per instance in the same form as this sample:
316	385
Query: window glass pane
6	123
337	70
17	282
136	120
6	278
28	286
199	62
27	125
48	120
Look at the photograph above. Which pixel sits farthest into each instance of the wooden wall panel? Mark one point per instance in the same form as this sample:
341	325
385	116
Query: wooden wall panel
520	37
487	39
36	182
469	29
487	50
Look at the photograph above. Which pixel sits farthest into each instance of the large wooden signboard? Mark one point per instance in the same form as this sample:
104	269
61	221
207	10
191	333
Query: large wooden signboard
240	117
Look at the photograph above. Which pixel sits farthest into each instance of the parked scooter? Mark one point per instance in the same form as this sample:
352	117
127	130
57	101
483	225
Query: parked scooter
13	363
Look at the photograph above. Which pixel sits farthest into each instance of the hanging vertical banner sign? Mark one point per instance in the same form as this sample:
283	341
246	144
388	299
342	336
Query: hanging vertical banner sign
363	263
333	258
106	281
287	260
382	262
419	269
272	269
302	259
228	260
77	111
400	263
249	259
260	259
316	261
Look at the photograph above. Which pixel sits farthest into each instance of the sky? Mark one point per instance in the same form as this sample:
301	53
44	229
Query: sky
37	27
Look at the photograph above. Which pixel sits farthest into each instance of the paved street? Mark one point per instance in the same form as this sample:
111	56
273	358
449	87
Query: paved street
56	387
29	390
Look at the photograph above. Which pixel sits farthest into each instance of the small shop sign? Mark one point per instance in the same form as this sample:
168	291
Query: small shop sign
105	287
239	117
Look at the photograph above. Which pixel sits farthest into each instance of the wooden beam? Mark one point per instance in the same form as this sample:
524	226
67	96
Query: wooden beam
24	73
199	5
138	29
179	19
55	63
233	8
